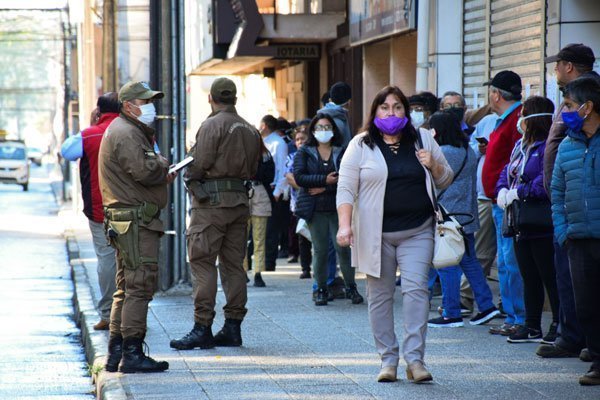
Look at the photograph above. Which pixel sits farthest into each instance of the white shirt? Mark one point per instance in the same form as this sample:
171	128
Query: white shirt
279	150
484	129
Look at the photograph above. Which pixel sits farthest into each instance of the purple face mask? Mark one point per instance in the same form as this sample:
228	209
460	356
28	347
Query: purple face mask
390	125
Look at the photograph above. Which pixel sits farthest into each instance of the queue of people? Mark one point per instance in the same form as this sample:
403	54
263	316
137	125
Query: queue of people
519	178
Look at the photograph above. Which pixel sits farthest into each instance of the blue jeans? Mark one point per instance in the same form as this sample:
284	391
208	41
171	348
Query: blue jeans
511	283
571	336
331	265
450	279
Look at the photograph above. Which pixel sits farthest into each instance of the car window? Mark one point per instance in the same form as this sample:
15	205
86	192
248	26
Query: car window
12	153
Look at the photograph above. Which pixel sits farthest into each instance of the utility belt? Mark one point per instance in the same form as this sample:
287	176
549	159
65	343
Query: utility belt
210	189
122	226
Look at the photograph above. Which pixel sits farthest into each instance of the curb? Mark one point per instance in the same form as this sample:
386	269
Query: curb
108	385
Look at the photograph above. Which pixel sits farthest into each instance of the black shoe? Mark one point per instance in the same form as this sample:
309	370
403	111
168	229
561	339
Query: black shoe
484	316
115	352
399	281
552	334
322	297
352	294
292	260
585	355
230	335
305	275
554	351
443	322
591	378
134	359
525	335
337	289
200	336
258	280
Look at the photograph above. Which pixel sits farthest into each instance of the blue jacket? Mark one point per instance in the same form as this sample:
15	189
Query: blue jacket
576	188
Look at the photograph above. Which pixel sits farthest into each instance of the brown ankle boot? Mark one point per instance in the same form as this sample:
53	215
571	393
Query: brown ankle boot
417	373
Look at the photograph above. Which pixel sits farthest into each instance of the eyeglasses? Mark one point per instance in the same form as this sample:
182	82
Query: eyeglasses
450	106
323	127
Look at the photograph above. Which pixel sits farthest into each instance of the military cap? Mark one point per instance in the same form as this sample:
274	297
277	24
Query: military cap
138	90
223	88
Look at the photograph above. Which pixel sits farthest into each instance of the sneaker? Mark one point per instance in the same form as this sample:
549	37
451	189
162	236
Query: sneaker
322	297
591	378
525	335
464	310
337	289
352	294
552	334
484	316
554	351
505	329
443	322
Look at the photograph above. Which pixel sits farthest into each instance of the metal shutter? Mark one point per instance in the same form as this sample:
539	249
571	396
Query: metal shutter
516	40
474	51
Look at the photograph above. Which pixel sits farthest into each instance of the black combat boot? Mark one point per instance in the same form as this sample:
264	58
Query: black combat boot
230	335
200	336
322	297
258	280
115	350
134	359
352	294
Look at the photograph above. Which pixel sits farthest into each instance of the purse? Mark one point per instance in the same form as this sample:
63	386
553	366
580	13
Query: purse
449	236
532	216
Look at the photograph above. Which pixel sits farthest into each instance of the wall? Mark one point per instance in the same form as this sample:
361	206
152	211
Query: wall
376	70
403	62
133	48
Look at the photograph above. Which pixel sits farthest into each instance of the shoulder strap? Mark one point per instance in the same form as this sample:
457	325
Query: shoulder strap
457	174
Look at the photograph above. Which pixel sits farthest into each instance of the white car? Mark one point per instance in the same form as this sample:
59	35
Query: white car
14	164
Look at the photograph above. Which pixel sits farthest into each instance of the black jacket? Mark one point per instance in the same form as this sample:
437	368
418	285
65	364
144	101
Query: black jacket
307	175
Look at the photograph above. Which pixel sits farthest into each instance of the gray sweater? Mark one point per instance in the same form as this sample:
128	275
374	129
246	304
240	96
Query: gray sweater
461	196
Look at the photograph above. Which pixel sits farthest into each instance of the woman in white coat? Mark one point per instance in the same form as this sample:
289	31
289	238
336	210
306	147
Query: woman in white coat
385	210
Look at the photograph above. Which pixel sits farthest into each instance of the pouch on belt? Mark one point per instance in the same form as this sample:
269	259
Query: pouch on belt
123	232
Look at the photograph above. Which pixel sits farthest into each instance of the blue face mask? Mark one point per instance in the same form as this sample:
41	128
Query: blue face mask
573	120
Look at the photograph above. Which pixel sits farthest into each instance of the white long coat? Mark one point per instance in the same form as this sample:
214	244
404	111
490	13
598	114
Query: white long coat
362	180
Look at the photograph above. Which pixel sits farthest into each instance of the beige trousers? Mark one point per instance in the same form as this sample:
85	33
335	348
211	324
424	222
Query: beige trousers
258	225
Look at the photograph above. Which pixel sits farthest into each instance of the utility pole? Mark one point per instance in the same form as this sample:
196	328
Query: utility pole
109	46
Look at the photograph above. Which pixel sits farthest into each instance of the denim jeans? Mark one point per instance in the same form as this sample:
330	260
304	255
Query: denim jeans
450	279
511	283
571	336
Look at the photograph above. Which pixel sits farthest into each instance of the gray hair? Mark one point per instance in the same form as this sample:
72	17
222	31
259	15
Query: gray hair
508	96
451	93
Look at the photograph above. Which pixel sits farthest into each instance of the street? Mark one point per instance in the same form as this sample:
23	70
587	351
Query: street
42	356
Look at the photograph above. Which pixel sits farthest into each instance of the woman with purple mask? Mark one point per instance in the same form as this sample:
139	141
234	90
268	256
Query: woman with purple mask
385	208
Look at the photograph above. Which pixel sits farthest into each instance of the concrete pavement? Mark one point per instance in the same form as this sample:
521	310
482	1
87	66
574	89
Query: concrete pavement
294	350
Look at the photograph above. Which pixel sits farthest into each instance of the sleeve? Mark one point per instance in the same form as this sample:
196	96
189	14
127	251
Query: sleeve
303	176
204	152
281	153
534	189
143	164
443	181
559	214
348	181
72	148
502	181
474	144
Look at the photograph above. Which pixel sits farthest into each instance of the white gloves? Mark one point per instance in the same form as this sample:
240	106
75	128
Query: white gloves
511	196
501	200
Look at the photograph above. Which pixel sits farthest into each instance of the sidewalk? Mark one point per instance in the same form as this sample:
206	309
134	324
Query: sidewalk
293	349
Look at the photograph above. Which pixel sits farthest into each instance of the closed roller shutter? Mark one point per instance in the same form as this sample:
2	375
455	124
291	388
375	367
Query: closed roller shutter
474	51
516	40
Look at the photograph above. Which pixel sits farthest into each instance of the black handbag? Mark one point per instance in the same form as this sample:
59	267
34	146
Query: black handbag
532	216
508	228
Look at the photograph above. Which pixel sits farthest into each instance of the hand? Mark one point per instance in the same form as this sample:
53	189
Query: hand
425	158
332	178
501	200
171	177
511	196
315	191
482	148
345	237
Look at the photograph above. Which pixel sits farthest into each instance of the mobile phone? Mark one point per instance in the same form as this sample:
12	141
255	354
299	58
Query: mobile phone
482	140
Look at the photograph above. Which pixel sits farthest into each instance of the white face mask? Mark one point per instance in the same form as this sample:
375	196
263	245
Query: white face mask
323	136
148	114
417	118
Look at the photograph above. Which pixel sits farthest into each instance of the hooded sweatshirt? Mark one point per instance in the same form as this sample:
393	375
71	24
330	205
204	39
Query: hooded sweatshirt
340	117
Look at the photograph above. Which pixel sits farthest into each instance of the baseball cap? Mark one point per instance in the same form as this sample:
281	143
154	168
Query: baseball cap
340	93
138	90
576	53
223	88
506	80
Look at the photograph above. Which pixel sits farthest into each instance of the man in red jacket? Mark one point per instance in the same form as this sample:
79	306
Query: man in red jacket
85	147
505	100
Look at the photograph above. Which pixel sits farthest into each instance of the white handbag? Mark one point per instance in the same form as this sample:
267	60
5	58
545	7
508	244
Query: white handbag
302	229
449	247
